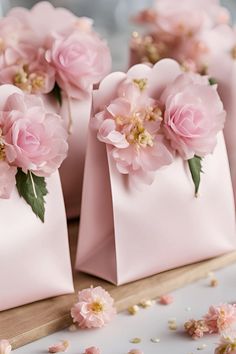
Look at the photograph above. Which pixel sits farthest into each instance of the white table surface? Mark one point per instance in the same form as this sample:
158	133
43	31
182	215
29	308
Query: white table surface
191	301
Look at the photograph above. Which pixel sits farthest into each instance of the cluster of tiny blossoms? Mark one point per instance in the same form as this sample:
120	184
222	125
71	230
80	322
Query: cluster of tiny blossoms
149	114
217	320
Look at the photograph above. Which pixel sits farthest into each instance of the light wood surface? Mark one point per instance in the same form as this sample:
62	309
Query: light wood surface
30	322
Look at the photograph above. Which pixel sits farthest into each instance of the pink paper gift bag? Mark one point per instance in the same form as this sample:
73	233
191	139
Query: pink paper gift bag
127	233
34	256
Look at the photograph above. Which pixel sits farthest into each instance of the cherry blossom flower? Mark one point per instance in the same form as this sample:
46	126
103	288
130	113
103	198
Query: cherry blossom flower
220	318
95	308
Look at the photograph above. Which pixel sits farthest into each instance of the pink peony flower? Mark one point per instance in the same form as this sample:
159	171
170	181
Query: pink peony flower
5	346
227	344
80	60
130	126
95	308
220	318
7	178
193	115
59	347
92	350
33	139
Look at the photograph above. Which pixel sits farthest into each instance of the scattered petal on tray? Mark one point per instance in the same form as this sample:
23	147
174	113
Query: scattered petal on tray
146	303
133	309
135	351
59	347
155	340
5	346
92	350
166	299
202	347
95	308
214	282
135	340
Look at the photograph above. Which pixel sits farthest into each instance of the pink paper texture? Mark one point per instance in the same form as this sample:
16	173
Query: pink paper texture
34	256
72	168
128	234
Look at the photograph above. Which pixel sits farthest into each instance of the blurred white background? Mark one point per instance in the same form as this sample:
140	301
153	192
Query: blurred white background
111	19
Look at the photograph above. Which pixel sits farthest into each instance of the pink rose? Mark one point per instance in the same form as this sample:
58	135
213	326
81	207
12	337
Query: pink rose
80	60
193	115
94	309
33	138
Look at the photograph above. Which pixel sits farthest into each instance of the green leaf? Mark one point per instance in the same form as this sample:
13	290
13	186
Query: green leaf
33	189
195	166
212	81
56	92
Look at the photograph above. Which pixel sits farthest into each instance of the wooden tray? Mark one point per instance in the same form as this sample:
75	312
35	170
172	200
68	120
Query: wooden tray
27	323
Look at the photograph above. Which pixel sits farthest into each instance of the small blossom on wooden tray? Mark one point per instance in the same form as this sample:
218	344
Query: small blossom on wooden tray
92	350
59	347
166	299
133	310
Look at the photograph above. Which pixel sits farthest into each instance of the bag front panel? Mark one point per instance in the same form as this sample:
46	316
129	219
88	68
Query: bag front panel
164	226
34	256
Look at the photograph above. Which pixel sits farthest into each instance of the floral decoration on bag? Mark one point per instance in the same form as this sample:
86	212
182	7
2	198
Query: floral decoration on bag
33	144
189	32
149	115
49	49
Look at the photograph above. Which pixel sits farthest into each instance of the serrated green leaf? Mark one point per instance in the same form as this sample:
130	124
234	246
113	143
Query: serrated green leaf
56	92
212	81
33	189
195	166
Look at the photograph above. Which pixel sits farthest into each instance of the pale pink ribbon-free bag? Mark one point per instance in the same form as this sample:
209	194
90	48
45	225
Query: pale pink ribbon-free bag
34	256
127	234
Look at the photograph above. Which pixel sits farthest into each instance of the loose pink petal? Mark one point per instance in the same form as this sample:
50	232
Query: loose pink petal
5	346
166	299
92	350
59	347
135	351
